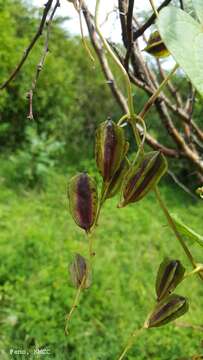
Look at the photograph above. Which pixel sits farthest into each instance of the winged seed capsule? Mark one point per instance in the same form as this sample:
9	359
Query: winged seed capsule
169	309
83	200
143	177
170	274
80	272
110	148
155	46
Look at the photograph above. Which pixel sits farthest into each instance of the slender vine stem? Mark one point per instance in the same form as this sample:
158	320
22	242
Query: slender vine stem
117	62
195	271
174	228
78	5
154	7
75	304
86	47
132	116
90	242
104	191
130	342
122	119
152	99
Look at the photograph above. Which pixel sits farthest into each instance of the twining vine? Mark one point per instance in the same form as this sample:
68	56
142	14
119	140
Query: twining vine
133	179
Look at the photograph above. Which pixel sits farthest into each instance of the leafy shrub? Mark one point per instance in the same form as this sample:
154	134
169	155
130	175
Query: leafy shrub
33	161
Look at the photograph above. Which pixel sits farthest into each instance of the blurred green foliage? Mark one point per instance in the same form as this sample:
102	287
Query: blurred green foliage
38	236
72	96
38	240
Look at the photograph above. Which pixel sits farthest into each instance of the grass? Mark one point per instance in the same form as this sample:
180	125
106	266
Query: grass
38	240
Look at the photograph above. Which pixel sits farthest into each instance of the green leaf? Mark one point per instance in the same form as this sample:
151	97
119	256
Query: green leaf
186	231
183	37
198	6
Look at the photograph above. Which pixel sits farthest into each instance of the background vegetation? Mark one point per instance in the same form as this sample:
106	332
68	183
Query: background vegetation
38	236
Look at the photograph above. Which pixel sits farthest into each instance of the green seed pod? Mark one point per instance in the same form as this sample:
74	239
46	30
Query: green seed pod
170	274
83	200
143	177
169	309
116	181
79	271
155	46
110	149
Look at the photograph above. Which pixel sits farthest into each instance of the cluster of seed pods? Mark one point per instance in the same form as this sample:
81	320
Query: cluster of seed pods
133	181
169	306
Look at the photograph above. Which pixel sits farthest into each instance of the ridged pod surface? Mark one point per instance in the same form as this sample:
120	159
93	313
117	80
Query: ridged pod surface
170	274
167	310
155	46
116	181
80	272
143	177
110	148
83	200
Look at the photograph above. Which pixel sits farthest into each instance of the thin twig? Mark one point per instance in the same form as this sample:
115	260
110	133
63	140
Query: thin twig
42	60
181	4
175	230
152	99
173	90
181	185
130	342
75	304
154	7
129	33
188	326
30	46
149	22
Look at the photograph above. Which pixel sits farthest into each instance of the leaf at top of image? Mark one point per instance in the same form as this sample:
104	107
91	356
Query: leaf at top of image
187	232
183	36
198	6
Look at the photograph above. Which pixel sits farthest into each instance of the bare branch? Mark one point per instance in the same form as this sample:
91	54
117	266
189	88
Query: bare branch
102	58
114	88
149	22
30	46
129	32
189	107
42	60
181	185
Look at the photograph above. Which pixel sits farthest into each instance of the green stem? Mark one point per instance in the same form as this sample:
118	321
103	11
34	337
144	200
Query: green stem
90	242
83	37
195	271
154	7
122	119
104	191
75	304
117	62
130	342
136	132
152	99
174	228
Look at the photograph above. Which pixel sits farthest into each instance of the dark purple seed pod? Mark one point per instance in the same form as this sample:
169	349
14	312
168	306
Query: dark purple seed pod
83	200
170	274
167	310
110	149
143	177
79	271
116	181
